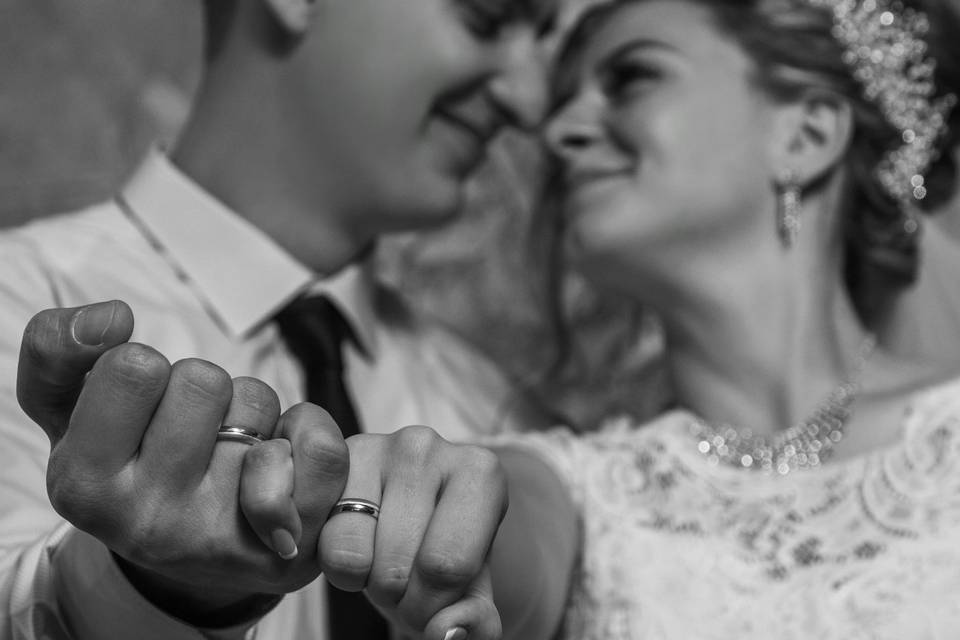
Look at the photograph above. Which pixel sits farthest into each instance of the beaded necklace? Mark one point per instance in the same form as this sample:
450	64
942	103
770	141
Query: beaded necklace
805	445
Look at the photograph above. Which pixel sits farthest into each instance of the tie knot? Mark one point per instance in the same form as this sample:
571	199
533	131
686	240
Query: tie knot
314	330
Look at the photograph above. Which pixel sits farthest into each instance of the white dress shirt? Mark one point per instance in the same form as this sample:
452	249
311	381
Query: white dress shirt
202	282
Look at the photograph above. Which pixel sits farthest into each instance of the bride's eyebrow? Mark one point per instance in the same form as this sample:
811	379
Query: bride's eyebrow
632	46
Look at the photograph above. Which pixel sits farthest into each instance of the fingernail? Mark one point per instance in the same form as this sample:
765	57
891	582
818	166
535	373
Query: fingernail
90	324
457	633
284	544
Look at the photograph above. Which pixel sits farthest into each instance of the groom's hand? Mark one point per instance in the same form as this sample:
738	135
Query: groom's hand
135	461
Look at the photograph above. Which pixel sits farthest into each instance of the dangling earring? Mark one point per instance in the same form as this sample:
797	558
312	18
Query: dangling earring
911	223
789	207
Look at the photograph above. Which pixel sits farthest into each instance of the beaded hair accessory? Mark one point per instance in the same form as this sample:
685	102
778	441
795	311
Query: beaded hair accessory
885	48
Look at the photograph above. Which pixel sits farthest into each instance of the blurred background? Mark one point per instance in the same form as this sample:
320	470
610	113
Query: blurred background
86	87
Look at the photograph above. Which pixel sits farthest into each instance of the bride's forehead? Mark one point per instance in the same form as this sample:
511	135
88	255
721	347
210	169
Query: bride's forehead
685	26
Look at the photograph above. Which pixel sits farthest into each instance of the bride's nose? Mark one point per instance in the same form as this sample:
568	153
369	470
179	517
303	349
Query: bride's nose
575	127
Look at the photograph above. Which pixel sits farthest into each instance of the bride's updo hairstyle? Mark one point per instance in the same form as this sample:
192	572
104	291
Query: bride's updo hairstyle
794	49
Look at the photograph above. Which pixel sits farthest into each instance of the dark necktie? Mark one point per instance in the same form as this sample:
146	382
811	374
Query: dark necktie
314	331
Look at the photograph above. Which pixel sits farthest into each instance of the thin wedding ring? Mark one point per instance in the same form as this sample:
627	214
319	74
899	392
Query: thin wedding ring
355	505
239	434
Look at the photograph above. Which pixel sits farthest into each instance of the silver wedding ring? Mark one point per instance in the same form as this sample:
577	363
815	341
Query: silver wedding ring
239	434
355	505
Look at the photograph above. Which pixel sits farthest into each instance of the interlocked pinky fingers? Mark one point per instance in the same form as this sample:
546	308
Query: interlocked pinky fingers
266	496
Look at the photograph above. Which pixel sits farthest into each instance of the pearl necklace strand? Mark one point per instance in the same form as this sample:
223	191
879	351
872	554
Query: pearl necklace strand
805	445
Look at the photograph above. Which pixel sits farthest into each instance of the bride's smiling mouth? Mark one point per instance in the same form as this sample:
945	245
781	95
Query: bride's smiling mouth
577	178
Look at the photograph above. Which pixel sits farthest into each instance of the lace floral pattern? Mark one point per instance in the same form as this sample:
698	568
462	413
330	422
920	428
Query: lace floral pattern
677	548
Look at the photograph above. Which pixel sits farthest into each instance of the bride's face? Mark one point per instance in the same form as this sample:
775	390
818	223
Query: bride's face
663	144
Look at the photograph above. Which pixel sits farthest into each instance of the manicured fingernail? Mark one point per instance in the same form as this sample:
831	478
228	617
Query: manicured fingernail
457	633
90	324
284	544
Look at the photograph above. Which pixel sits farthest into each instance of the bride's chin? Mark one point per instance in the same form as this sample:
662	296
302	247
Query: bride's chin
589	240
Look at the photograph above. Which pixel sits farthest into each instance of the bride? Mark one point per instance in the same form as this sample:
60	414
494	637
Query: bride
754	171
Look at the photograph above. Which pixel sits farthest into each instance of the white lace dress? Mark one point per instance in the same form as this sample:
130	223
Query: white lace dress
865	548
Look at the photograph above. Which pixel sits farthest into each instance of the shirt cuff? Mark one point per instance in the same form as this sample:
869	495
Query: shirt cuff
97	601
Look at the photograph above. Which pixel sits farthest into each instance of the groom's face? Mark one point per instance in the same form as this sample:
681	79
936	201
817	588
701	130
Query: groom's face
402	97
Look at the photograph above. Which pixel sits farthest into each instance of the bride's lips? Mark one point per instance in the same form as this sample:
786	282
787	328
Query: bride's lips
576	178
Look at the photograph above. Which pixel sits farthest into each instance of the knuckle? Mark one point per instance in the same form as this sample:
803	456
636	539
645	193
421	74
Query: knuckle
268	455
202	381
418	436
324	455
445	569
347	563
387	585
486	467
256	395
311	420
70	501
42	331
417	443
133	368
363	447
320	446
482	461
78	498
361	443
308	414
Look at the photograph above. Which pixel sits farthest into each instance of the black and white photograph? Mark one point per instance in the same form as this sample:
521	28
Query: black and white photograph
479	319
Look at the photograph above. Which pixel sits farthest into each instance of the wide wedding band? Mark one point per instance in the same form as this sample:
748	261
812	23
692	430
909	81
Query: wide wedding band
239	434
355	505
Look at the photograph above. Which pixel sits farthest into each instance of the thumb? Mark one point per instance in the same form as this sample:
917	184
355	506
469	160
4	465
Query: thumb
59	347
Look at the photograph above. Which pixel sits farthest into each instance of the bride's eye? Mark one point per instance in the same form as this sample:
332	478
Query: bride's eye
485	18
626	77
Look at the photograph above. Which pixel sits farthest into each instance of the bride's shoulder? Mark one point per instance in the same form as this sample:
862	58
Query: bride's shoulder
918	391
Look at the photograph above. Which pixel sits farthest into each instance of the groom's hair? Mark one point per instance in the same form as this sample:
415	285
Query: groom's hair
217	17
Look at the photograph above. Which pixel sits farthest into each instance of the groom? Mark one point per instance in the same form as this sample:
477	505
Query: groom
320	125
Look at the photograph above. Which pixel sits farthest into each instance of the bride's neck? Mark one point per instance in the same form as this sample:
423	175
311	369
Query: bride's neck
760	348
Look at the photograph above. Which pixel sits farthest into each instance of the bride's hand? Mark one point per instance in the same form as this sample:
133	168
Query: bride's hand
423	562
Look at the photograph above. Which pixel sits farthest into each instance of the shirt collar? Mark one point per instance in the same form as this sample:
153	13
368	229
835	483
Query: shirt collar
241	276
353	289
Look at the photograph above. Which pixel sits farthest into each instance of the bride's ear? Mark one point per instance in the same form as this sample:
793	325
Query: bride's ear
812	135
293	16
